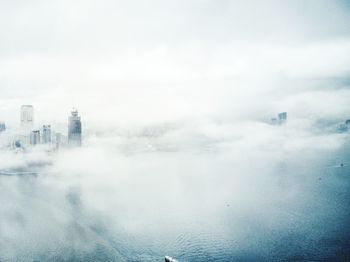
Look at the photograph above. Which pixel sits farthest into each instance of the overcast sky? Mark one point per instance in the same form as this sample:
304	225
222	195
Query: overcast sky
156	61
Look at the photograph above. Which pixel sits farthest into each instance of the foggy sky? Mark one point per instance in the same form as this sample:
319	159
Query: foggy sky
134	62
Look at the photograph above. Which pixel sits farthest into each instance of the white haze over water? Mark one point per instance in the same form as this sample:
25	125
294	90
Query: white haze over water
178	156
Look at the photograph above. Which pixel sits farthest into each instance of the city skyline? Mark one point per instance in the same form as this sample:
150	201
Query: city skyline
27	134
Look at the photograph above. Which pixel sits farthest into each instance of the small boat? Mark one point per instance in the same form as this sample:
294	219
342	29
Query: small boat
170	259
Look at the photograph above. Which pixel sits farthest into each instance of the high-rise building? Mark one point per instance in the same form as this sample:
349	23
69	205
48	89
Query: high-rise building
27	116
282	118
46	134
2	127
74	129
35	137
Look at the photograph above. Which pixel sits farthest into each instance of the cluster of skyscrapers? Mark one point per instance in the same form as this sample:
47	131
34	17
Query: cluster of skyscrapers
281	119
30	136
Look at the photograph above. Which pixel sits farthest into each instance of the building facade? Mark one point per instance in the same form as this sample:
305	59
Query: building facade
35	137
46	134
74	129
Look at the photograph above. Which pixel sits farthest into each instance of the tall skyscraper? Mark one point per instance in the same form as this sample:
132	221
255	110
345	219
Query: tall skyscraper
46	134
35	137
27	116
74	129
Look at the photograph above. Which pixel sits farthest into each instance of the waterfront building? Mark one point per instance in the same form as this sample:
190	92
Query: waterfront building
74	129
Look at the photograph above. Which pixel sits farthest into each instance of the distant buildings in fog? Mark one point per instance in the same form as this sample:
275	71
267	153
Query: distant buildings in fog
281	119
28	136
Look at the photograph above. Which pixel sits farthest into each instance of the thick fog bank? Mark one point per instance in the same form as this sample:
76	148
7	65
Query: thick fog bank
246	191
